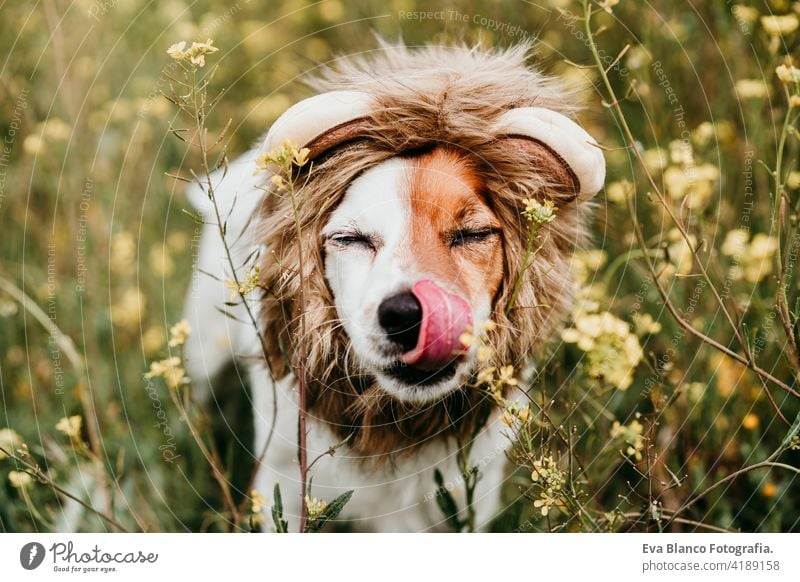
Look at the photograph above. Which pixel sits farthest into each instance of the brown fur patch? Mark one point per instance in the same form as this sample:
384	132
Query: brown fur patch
447	194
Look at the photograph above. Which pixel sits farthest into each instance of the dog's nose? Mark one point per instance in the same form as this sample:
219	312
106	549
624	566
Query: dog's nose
401	316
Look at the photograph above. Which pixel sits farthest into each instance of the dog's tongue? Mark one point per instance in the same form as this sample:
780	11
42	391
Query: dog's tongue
445	317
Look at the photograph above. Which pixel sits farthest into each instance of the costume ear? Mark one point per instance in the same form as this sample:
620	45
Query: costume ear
322	122
557	146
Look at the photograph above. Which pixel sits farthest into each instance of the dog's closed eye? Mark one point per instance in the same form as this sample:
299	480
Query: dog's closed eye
468	236
352	239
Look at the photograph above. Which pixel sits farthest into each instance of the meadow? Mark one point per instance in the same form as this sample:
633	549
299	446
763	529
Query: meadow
670	399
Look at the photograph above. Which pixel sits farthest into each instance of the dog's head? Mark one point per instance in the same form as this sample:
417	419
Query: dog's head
414	259
411	231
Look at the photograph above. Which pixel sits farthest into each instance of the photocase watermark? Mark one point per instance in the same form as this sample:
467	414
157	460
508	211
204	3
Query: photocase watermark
745	16
100	8
663	363
31	555
195	247
20	104
168	448
54	334
81	238
744	220
66	558
498	26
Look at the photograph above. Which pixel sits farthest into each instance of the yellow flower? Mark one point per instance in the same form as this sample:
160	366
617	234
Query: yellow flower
722	131
607	5
513	413
176	51
127	312
252	279
485	375
488	325
483	354
644	324
170	369
703	177
20	479
779	25
195	54
735	242
199	50
300	157
257	501
507	376
655	160
677	182
754	259
745	13
680	152
10	441
547	502
680	254
153	339
123	251
160	261
467	339
70	426
551	480
315	507
632	435
692	185
547	474
619	192
538	212
585	265
612	350
750	88
704	133
34	144
179	333
788	74
751	422
637	57
284	156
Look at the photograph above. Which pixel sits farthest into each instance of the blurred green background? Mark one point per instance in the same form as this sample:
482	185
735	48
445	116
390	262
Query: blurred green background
93	232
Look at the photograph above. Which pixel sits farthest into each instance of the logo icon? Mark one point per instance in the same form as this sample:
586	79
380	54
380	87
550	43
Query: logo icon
31	555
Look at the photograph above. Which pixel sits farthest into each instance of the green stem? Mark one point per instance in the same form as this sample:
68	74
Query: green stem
525	263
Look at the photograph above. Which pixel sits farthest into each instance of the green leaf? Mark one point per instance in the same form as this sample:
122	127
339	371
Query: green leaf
277	511
331	512
793	431
445	501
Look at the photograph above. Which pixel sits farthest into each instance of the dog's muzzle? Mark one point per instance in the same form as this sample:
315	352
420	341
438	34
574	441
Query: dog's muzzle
427	324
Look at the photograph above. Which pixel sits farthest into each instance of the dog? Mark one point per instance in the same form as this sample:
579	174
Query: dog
410	234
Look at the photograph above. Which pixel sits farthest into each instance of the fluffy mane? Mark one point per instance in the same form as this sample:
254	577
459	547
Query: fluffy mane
427	97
